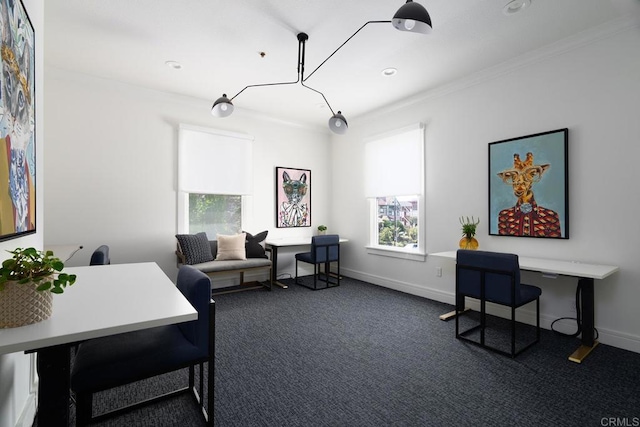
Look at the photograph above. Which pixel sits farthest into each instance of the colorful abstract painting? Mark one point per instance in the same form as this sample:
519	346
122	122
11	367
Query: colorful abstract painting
17	122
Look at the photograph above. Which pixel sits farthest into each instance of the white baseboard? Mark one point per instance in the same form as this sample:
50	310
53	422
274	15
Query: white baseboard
526	315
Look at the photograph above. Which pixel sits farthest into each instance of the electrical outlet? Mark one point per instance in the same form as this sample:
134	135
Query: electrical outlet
438	271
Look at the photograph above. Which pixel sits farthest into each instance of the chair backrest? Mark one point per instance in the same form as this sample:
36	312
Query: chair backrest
501	272
325	248
196	287
100	256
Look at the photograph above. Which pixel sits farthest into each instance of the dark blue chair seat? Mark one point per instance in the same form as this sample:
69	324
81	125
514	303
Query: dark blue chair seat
117	360
493	277
120	359
324	251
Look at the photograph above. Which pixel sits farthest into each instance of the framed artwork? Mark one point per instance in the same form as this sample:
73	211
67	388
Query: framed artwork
17	122
529	186
293	197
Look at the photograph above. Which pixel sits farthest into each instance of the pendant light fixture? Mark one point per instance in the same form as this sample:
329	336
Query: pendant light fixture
411	17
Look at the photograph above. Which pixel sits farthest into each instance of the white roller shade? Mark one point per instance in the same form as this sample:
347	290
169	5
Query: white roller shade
214	162
394	163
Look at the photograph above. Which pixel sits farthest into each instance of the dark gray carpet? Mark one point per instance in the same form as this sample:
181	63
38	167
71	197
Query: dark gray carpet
363	355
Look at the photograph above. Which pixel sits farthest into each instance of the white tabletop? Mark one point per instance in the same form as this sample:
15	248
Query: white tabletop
554	266
294	241
105	300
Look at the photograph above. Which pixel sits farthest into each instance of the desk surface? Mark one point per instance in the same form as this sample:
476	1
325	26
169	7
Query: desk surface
553	266
105	300
293	241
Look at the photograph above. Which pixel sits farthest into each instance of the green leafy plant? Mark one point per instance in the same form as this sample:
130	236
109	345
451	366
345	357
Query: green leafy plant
322	228
469	226
32	267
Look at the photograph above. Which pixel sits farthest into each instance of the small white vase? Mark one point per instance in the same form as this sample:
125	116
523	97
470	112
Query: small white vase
22	305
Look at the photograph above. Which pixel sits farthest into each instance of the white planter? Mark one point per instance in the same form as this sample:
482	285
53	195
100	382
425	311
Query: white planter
22	305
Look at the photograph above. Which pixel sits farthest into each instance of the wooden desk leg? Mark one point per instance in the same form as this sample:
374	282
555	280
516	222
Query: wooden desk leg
587	302
53	386
274	268
452	314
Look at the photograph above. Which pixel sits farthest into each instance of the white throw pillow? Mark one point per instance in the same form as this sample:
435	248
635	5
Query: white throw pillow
231	247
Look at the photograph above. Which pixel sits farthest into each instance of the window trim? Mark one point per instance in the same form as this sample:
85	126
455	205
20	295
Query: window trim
390	251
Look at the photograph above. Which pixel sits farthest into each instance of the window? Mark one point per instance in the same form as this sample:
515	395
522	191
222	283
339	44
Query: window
214	175
394	177
215	214
398	221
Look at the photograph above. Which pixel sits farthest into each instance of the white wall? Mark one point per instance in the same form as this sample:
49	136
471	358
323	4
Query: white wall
588	85
111	170
17	395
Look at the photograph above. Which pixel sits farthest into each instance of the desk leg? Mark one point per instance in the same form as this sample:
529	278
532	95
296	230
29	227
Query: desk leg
53	386
588	320
452	314
274	268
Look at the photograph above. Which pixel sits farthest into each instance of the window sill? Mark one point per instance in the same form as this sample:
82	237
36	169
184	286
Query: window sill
414	255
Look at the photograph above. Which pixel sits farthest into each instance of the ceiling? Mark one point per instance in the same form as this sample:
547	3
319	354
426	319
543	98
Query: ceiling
218	44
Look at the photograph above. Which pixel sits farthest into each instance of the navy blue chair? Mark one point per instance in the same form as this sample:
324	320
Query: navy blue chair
117	360
324	251
100	256
493	277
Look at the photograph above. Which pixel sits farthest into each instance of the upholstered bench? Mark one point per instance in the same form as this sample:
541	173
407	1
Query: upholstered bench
196	250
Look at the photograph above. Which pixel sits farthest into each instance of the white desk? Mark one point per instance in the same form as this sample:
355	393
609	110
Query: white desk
105	300
274	244
585	272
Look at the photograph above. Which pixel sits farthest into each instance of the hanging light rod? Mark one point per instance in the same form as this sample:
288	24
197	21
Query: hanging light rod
411	17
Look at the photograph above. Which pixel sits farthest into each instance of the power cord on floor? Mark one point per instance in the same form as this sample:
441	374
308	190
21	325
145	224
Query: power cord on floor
578	318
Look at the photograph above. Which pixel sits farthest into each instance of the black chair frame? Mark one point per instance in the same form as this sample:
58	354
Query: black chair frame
327	270
460	310
84	401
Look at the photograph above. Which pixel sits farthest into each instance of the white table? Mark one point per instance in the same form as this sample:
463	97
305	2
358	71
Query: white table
585	272
274	244
105	300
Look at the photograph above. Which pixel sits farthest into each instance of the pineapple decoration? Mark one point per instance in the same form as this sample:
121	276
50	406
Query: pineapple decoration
468	240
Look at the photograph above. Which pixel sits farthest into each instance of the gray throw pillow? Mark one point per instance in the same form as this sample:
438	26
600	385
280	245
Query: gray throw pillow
195	247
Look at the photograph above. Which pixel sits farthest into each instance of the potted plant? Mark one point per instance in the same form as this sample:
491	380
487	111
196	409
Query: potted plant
322	229
27	281
468	240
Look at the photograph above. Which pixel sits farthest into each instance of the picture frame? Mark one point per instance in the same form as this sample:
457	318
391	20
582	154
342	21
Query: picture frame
17	123
293	197
529	186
